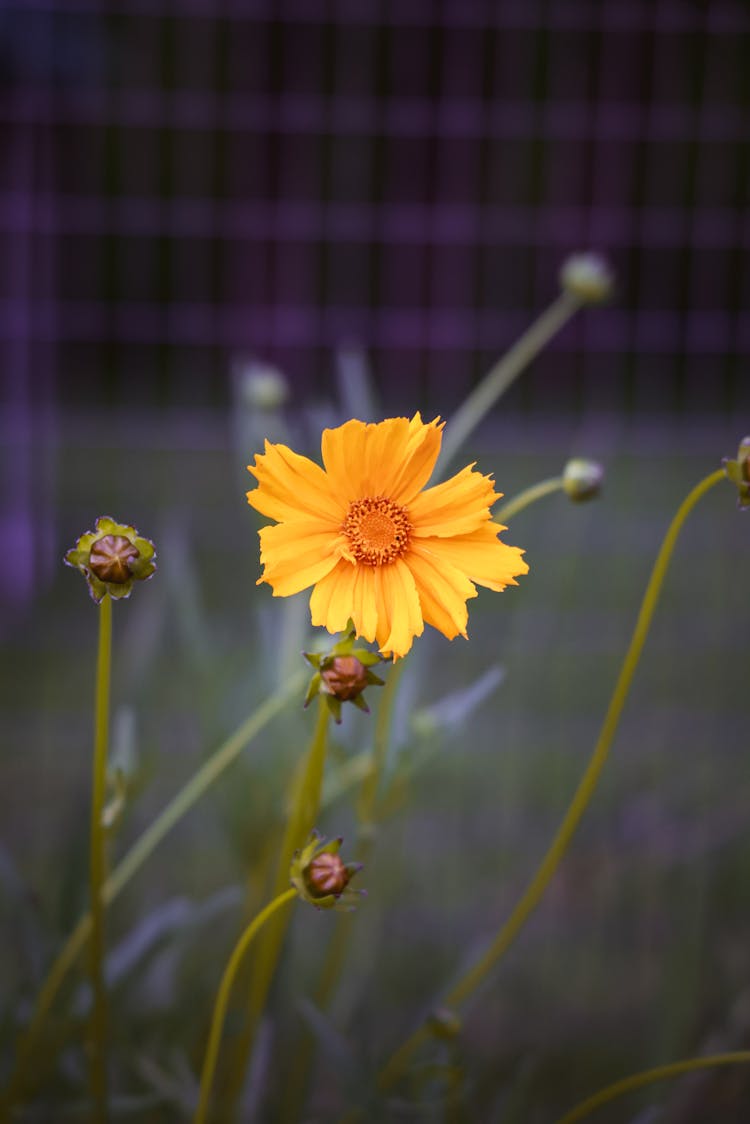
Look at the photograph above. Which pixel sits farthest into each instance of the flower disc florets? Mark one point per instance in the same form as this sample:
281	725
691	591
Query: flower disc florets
320	876
111	558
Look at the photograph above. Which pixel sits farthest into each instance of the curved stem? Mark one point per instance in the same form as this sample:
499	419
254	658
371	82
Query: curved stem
530	899
647	1077
527	497
497	380
222	999
131	863
97	865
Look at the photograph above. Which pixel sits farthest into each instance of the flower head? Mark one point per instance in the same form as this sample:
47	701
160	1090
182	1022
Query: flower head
111	558
378	547
321	877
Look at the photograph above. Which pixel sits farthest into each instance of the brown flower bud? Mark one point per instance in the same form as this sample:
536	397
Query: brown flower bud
321	878
111	557
345	678
327	874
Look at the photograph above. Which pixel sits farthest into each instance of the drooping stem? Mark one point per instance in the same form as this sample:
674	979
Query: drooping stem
469	982
484	396
303	813
97	865
222	999
132	862
648	1077
526	497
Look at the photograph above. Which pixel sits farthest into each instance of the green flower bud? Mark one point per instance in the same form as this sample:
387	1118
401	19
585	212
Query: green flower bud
111	558
582	479
587	277
261	387
320	876
342	674
445	1023
738	471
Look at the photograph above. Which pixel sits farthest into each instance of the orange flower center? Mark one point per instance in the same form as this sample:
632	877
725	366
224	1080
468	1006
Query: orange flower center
377	530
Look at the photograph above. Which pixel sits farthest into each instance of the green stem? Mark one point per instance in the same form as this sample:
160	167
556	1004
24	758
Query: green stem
97	865
527	497
481	400
367	815
368	795
305	805
222	999
131	863
530	899
647	1077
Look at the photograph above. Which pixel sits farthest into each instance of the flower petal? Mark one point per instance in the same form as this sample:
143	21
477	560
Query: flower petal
394	458
480	555
457	506
296	555
291	486
443	591
422	451
332	600
365	607
399	613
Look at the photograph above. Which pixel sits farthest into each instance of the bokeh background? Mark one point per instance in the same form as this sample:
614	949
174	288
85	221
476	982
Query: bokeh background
375	198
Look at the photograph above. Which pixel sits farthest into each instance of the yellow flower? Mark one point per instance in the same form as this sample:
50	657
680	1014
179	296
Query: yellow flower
375	546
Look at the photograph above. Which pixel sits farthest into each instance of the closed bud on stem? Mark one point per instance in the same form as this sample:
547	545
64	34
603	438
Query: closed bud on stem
587	277
112	558
445	1023
321	877
342	674
582	479
738	471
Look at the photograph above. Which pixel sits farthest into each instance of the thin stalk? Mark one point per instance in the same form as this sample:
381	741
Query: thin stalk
549	864
527	497
647	1077
131	863
368	795
305	805
97	865
222	1000
367	816
484	396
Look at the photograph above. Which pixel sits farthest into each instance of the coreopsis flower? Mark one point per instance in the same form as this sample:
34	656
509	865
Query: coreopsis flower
321	877
376	545
111	558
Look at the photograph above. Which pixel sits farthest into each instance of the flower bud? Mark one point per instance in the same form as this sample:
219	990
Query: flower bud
587	277
111	558
261	386
345	678
321	878
342	675
738	471
445	1023
582	479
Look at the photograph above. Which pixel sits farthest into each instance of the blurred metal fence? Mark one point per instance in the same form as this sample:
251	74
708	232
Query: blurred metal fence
182	181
